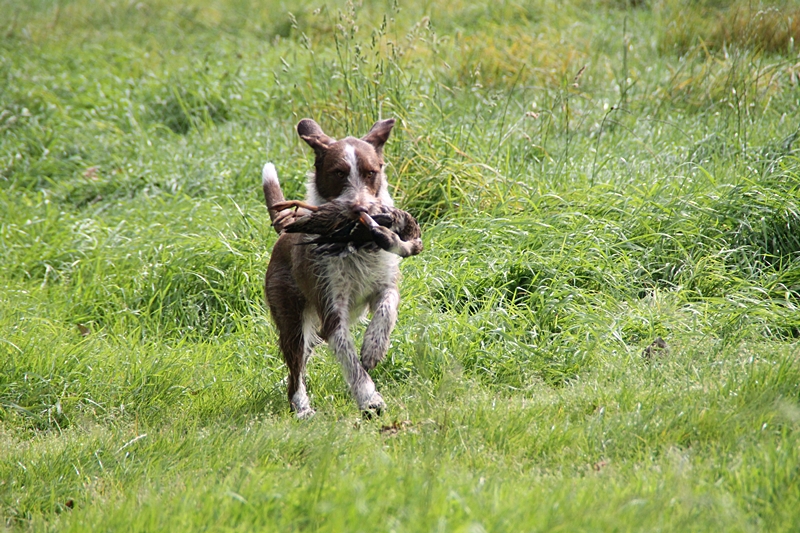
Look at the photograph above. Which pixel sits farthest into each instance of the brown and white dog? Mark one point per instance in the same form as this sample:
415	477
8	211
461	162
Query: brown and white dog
314	297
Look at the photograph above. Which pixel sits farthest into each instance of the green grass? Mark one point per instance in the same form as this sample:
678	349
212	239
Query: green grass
570	217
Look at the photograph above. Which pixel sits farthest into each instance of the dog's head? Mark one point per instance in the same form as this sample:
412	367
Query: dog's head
349	169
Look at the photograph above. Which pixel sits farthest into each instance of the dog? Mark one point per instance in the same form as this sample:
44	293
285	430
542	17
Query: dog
314	296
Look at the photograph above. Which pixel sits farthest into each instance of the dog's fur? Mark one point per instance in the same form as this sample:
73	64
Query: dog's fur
315	296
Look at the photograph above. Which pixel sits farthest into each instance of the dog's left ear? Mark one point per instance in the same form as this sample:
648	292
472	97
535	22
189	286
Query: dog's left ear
379	134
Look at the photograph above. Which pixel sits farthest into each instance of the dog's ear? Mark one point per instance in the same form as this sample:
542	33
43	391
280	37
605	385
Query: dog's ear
379	134
313	135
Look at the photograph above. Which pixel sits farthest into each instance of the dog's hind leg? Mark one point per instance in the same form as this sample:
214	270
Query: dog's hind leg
296	348
295	354
311	339
376	338
288	308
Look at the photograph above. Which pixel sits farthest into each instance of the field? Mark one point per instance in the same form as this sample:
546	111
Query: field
590	175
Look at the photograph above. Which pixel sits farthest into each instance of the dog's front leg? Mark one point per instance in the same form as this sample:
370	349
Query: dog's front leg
337	333
376	338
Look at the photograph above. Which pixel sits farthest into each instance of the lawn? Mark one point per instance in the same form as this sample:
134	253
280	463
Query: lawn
590	175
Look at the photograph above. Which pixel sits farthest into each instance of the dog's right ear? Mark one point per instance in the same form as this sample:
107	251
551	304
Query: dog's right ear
379	134
313	135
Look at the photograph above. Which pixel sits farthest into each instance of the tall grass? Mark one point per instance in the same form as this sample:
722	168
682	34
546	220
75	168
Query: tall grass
590	176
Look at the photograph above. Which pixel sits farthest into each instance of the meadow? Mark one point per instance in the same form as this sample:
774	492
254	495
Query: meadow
590	175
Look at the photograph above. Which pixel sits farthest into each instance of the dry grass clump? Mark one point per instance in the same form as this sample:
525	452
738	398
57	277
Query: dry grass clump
767	28
743	82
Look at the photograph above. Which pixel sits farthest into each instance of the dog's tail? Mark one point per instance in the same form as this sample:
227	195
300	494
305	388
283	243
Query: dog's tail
272	193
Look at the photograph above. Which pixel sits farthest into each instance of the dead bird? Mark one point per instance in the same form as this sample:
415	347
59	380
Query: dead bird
341	227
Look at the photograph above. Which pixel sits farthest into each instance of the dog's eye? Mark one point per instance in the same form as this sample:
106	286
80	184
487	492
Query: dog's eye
372	174
341	174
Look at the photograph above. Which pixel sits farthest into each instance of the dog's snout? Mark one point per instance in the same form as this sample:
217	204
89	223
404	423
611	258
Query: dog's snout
358	209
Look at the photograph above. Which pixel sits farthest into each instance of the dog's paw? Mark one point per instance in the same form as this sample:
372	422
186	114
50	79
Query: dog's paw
305	414
374	407
301	405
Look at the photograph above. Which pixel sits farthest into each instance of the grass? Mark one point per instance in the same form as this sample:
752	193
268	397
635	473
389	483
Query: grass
590	175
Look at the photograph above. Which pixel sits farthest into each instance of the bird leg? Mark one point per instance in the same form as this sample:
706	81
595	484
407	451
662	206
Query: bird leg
389	240
289	204
283	212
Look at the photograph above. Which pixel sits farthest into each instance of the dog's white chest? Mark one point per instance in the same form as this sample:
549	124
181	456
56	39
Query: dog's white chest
356	276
